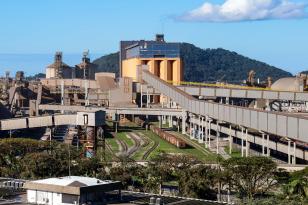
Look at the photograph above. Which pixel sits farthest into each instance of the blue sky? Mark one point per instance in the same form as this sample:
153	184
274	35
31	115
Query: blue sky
45	26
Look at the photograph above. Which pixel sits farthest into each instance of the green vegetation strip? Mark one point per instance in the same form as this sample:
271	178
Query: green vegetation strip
235	152
140	153
194	143
113	144
163	125
123	136
166	147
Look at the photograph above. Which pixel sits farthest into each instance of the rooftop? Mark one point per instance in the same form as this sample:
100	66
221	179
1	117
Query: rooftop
75	181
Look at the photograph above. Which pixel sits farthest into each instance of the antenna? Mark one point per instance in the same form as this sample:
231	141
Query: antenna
85	59
162	24
86	53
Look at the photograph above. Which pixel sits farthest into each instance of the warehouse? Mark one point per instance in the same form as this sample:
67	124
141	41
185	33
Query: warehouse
70	190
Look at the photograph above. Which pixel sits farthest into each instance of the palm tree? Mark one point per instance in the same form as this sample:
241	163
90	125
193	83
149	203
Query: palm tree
298	186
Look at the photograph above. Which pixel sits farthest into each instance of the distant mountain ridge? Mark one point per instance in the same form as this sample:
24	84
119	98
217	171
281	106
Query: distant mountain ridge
202	65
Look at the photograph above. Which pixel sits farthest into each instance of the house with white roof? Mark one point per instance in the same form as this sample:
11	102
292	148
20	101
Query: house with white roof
70	190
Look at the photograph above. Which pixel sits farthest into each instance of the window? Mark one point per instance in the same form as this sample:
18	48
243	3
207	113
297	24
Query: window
69	199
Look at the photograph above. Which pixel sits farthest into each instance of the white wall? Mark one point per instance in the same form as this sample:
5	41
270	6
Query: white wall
50	73
31	196
36	197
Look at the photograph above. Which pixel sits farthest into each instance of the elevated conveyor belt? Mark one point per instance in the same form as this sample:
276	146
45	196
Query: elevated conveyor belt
238	92
281	124
245	93
33	122
114	110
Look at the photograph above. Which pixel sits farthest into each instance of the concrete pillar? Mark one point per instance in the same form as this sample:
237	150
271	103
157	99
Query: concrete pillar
242	143
268	151
170	121
164	117
209	133
141	95
116	122
247	144
147	122
294	153
160	121
263	148
184	117
217	137
196	134
62	92
206	132
256	104
86	96
230	139
148	97
267	105
289	151
178	123
62	95
190	126
200	130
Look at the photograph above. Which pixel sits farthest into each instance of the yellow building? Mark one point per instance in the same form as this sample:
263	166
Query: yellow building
163	59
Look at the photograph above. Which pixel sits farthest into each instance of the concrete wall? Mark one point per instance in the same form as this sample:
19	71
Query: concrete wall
36	197
70	82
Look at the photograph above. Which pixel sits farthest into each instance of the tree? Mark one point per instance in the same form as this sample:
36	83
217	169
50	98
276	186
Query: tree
159	171
297	185
250	176
86	167
198	63
12	153
198	182
39	165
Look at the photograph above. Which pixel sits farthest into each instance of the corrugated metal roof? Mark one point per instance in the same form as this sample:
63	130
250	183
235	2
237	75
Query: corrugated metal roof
68	180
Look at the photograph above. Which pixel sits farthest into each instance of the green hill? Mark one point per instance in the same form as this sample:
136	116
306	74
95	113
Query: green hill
202	65
304	72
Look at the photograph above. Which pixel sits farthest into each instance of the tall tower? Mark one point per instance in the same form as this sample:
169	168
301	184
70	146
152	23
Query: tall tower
85	69
58	69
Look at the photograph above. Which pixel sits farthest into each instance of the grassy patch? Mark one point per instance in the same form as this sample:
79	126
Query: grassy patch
163	125
108	155
166	147
123	136
140	153
113	144
235	152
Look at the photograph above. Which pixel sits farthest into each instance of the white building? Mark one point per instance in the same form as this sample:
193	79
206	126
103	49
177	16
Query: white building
70	190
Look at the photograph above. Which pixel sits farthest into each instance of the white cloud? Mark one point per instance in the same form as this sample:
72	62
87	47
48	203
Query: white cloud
246	10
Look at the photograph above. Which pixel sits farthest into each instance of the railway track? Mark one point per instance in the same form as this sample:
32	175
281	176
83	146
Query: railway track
149	151
136	146
114	155
191	143
123	149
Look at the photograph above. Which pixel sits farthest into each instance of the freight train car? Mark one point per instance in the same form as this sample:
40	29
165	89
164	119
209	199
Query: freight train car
179	143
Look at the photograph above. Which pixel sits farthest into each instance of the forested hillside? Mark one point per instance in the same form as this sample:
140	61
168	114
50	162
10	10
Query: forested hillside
202	65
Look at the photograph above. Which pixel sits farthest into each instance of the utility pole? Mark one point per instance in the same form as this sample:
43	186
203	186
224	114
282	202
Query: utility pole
69	160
